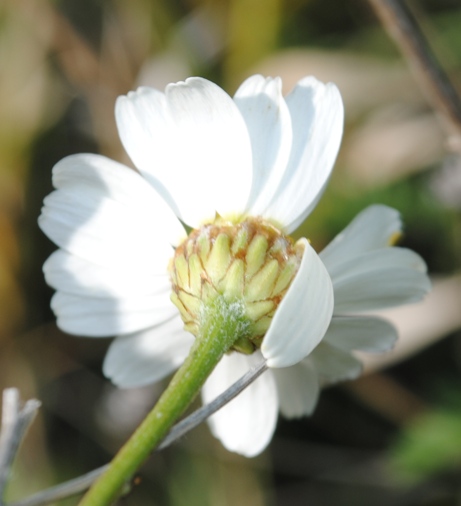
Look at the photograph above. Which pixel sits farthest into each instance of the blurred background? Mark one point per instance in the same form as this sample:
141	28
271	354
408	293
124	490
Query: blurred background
393	437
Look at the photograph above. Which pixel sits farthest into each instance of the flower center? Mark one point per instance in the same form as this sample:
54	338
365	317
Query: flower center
246	267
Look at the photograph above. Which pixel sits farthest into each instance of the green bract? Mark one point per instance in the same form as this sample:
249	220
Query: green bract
245	268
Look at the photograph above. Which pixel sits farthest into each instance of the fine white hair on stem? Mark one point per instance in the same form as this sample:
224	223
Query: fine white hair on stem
82	483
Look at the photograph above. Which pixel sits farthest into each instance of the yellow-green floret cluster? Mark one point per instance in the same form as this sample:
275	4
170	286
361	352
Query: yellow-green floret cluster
246	268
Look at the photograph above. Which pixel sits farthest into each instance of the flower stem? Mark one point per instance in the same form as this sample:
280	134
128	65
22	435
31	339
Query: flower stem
219	329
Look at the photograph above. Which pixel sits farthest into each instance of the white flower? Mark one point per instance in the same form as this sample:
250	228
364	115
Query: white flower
201	154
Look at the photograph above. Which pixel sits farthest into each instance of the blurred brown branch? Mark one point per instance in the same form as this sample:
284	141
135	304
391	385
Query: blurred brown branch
403	27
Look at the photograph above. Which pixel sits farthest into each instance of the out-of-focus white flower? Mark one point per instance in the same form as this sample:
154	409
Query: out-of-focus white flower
242	172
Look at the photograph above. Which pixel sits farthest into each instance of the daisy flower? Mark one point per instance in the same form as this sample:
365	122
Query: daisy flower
240	174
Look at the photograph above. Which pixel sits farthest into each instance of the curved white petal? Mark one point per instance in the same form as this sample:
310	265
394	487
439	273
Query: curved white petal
102	231
146	357
374	228
303	316
120	183
101	317
370	334
71	274
192	144
376	260
317	117
333	364
298	389
380	279
247	423
268	120
108	225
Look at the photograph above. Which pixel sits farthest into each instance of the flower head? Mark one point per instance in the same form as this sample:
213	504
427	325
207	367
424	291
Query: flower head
243	173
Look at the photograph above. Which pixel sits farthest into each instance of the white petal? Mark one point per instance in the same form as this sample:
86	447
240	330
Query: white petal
303	316
333	364
73	275
317	122
120	183
380	279
268	120
371	261
102	232
99	317
247	423
374	228
193	146
298	389
92	220
369	334
148	356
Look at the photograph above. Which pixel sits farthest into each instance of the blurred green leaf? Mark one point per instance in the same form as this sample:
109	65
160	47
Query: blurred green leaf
430	445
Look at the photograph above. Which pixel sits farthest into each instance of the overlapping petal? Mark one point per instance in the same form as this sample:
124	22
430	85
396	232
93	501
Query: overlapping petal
102	212
298	389
376	227
117	182
192	144
333	364
102	301
364	333
71	274
291	338
376	280
317	118
247	423
101	317
367	274
373	261
148	356
268	120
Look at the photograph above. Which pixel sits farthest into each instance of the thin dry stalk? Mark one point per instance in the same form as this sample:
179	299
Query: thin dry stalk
402	25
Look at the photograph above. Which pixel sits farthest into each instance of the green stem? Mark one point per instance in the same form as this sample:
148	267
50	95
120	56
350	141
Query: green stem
218	331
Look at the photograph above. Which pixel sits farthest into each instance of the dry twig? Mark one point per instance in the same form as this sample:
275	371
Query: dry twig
403	27
15	422
82	483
